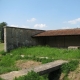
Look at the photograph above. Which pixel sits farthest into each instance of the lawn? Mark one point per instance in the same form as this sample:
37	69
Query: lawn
1	46
38	53
49	52
0	34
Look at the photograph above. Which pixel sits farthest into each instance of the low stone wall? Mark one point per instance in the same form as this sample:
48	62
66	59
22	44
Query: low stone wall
17	37
73	47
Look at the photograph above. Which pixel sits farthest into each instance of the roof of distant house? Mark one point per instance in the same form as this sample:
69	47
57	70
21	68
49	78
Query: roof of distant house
60	32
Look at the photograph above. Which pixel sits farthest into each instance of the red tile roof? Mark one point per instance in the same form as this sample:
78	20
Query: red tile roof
62	32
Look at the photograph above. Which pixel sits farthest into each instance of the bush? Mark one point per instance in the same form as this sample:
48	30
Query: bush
31	76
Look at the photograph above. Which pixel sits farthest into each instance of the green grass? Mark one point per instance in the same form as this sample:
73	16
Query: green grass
1	79
1	46
54	53
31	76
0	34
7	60
65	68
70	66
7	64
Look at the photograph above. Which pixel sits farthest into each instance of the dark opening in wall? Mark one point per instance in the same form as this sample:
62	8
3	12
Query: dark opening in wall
55	75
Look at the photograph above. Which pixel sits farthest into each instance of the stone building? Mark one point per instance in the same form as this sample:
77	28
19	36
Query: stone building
18	37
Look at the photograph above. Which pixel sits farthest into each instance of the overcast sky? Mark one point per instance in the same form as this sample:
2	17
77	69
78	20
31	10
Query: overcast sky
41	14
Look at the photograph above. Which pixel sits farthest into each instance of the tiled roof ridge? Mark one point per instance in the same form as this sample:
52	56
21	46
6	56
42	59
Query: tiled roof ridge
75	31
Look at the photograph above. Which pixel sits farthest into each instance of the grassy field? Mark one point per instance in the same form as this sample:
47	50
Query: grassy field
1	46
39	53
0	34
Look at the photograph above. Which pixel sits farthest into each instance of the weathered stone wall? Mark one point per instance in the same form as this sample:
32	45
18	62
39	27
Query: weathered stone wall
17	37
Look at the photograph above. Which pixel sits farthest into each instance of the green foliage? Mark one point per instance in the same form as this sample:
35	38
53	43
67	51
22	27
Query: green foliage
0	36
38	59
31	76
44	60
1	79
3	53
70	66
6	61
7	64
1	47
66	78
41	51
2	30
2	24
7	69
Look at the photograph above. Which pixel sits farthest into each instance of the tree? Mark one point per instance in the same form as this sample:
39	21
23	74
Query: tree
2	30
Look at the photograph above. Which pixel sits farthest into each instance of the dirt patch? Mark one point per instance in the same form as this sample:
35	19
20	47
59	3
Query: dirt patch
24	64
75	75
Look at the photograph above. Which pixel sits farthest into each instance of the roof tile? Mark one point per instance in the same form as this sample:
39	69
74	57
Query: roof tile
62	32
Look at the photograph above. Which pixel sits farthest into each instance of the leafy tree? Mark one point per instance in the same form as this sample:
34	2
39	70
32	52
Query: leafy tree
2	30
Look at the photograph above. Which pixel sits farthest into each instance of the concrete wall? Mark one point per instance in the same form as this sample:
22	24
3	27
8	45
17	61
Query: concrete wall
17	37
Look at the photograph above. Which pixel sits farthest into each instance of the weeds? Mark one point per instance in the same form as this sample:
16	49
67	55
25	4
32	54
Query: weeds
67	67
31	76
70	66
40	53
7	64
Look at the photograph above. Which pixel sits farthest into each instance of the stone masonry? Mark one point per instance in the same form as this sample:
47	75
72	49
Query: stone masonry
18	37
